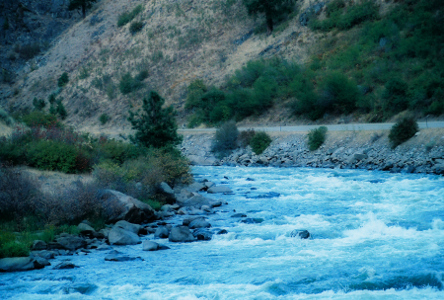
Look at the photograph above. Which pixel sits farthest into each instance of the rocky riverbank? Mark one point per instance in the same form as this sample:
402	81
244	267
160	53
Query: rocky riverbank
369	150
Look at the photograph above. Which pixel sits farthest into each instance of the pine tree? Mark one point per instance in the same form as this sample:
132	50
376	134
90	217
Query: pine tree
271	8
155	126
83	4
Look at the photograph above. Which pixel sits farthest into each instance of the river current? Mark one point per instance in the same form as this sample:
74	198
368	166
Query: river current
375	235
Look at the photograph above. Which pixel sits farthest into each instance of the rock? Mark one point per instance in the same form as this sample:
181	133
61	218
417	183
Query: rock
118	206
161	232
199	222
265	196
117	256
181	234
105	232
202	234
216	203
41	262
209	184
252	220
150	246
196	187
135	228
38	245
167	192
43	254
86	229
303	234
196	201
221	189
14	264
65	265
71	242
438	169
239	215
119	236
223	231
103	247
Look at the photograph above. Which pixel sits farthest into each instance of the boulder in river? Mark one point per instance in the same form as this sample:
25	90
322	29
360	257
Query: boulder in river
71	242
38	245
120	236
202	234
181	234
303	234
162	232
221	189
119	257
199	222
65	265
252	220
13	264
118	206
135	228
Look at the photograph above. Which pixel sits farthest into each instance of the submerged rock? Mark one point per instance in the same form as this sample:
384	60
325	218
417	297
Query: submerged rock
65	265
222	189
252	220
202	234
117	256
303	234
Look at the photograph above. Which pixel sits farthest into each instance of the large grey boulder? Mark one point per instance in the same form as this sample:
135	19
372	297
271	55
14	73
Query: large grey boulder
181	234
196	187
167	192
120	236
199	222
119	257
118	206
14	264
86	229
71	242
135	228
202	234
162	232
38	245
195	201
221	189
303	234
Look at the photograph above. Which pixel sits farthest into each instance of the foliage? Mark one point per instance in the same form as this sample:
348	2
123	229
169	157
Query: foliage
127	17
135	27
5	118
395	98
338	93
38	104
104	118
272	9
84	73
40	119
142	75
28	51
80	4
61	111
225	138
63	79
316	138
245	137
155	126
260	142
129	84
402	131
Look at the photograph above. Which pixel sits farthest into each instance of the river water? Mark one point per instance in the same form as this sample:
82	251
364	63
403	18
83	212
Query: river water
375	235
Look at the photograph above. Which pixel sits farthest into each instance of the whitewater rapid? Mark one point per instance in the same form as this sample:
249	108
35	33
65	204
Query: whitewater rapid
374	235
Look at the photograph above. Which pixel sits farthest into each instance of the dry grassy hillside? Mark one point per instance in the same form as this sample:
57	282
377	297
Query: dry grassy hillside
180	41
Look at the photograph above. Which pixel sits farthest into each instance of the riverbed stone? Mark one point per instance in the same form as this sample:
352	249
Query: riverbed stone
118	206
46	254
252	220
162	232
66	265
38	245
222	231
117	256
150	246
301	233
135	228
202	234
181	234
221	189
71	242
196	201
86	229
199	222
14	264
120	236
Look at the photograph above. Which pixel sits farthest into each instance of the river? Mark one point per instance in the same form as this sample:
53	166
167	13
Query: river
375	235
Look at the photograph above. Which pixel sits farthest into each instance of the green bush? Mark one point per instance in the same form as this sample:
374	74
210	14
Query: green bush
104	118
338	93
316	138
225	138
40	119
129	84
135	27
245	137
334	6
142	75
9	247
260	142
63	79
84	73
38	104
402	131
5	118
116	152
395	96
61	111
127	17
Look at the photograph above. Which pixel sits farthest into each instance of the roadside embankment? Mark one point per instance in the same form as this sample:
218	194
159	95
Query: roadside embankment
424	153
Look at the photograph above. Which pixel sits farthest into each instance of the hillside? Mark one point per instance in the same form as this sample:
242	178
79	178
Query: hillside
181	41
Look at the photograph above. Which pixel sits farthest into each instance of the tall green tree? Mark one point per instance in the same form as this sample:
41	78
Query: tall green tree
81	4
155	126
271	8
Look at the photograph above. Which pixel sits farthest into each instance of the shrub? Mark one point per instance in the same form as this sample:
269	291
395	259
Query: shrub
39	104
40	119
28	51
5	118
196	89
116	152
402	131
142	75
104	118
127	17
245	137
155	126
395	96
338	93
129	84
135	27
260	142
7	76
9	247
84	73
334	6
63	79
61	111
316	138
225	138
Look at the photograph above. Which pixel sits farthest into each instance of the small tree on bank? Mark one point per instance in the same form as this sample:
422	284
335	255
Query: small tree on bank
81	4
155	126
271	8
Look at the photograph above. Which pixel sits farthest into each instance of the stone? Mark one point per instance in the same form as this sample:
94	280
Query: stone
199	222
239	215
135	228
196	187
118	206
150	246
119	236
216	203
162	232
166	191
223	231
221	189
43	254
14	264
252	220
303	234
202	234
209	184
181	234
38	245
71	242
65	266
41	262
85	229
196	201
118	257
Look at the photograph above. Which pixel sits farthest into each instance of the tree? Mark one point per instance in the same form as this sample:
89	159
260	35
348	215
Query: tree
155	126
271	8
83	4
